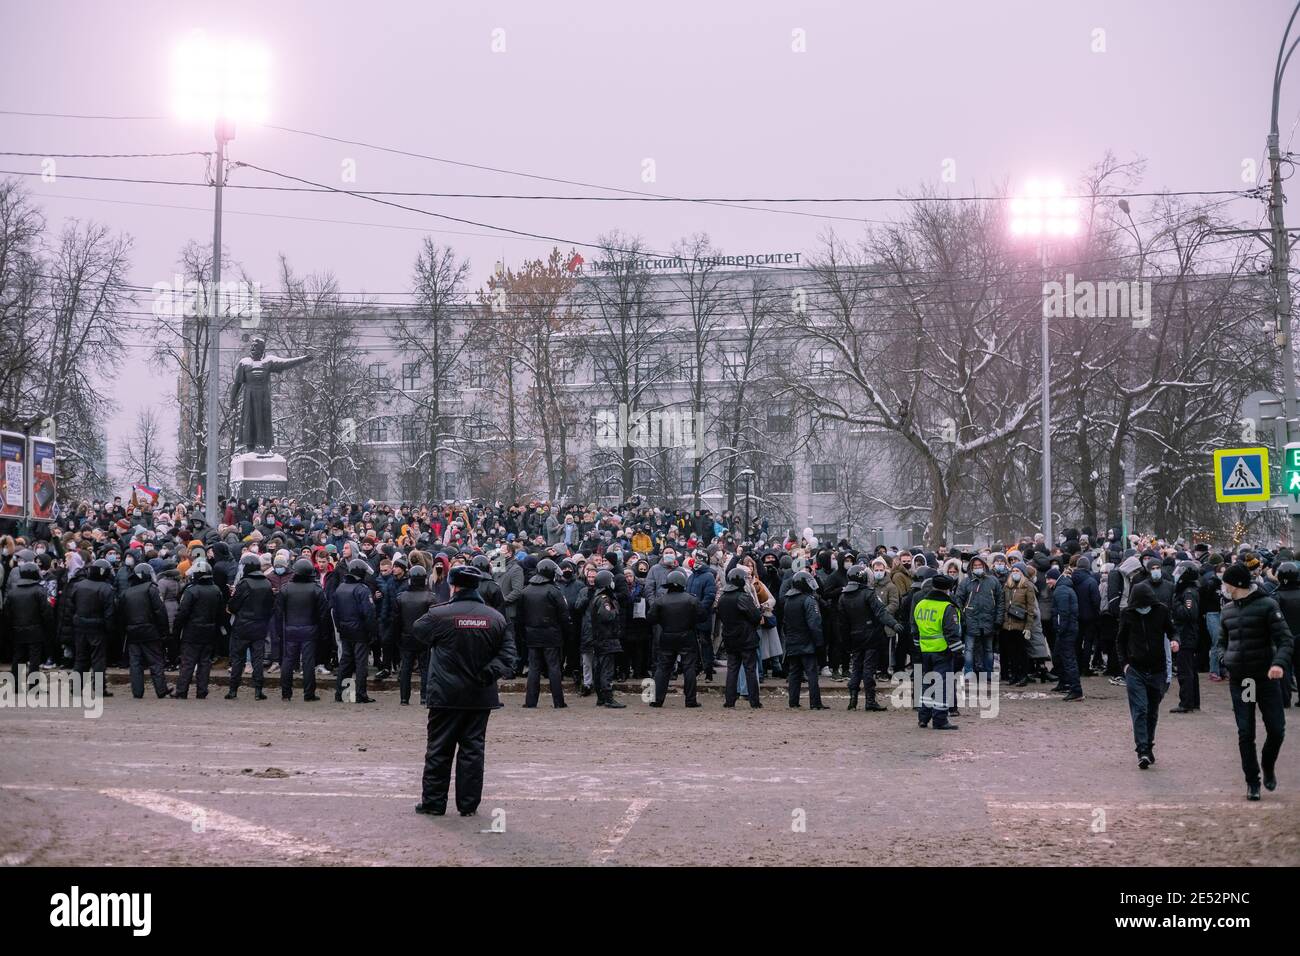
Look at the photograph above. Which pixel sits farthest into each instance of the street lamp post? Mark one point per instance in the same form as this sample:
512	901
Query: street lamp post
222	83
747	474
1043	212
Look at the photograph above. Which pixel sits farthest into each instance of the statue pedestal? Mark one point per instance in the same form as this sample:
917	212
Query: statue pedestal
258	476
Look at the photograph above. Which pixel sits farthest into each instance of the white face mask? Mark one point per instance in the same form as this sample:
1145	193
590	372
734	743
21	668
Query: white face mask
1156	574
978	572
878	575
999	567
1016	576
1143	610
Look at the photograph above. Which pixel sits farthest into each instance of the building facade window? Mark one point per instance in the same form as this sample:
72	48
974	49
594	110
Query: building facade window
822	361
377	376
823	479
779	419
778	479
410	376
377	430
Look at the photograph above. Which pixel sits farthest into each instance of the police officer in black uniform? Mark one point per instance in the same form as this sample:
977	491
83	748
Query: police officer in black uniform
470	649
304	613
603	613
862	620
357	625
252	605
488	589
802	620
144	619
545	617
90	611
198	627
28	617
676	612
412	604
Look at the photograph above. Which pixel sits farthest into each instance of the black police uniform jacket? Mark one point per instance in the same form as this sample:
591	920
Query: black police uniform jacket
90	608
544	612
412	604
252	605
28	612
802	620
863	617
144	618
470	649
740	616
601	619
198	619
354	612
303	609
676	613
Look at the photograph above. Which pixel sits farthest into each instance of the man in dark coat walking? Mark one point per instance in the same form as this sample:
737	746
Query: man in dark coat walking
470	649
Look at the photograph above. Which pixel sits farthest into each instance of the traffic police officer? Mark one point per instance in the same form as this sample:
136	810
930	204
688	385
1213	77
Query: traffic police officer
470	649
937	636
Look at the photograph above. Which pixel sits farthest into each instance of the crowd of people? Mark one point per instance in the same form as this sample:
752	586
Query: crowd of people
595	595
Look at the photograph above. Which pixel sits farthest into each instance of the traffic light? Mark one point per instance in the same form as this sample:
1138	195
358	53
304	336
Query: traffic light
1291	470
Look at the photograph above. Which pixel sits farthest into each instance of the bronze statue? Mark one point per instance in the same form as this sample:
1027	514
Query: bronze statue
253	375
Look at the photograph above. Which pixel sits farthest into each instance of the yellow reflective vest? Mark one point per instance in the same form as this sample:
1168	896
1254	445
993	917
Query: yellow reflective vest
927	616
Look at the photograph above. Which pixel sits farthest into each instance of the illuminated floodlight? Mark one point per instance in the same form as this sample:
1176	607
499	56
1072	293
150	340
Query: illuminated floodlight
1043	209
220	79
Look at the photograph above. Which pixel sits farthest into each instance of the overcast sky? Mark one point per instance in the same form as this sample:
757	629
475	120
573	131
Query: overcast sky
713	93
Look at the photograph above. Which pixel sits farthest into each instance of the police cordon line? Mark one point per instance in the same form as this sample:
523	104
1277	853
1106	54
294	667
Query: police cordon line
461	595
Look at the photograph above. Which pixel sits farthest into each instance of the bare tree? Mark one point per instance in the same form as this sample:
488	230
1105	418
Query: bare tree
142	453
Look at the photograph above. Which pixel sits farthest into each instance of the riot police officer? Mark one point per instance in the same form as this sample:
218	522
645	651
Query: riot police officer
863	619
28	617
412	604
144	619
252	605
545	617
198	627
802	620
676	613
603	614
470	649
356	623
90	610
304	613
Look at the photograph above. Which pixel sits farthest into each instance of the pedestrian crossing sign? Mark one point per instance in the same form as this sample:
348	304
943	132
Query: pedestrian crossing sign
1241	474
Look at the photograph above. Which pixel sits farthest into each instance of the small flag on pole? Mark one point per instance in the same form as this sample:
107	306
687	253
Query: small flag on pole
140	488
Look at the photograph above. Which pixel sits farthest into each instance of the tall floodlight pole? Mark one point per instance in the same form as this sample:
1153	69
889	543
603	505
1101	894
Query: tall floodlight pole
1281	243
1043	213
218	82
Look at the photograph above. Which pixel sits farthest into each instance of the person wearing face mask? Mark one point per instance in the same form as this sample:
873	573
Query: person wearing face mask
1160	581
1257	648
887	593
1065	625
1020	608
983	602
1146	635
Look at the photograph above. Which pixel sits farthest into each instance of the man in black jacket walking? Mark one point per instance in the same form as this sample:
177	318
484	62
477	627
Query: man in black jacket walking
470	649
252	605
1144	627
1257	647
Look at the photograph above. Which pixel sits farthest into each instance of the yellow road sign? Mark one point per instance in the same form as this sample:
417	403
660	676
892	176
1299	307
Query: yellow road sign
1241	474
